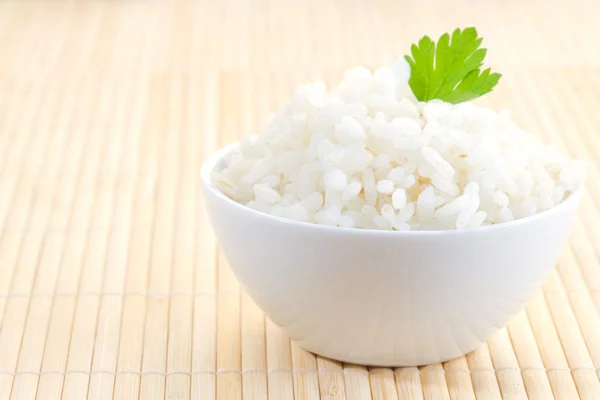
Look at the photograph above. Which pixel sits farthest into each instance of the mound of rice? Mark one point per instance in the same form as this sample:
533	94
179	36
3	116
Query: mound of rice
369	155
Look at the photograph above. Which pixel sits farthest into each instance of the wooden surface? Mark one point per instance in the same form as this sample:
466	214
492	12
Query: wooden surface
111	284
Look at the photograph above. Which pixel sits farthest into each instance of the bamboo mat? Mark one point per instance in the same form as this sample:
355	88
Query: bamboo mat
111	282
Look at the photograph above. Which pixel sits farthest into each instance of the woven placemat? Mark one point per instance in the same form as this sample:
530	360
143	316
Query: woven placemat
111	282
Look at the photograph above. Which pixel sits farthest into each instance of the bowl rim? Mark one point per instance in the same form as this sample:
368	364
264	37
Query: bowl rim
206	181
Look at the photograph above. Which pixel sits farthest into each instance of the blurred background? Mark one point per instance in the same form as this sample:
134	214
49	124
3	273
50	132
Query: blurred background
111	283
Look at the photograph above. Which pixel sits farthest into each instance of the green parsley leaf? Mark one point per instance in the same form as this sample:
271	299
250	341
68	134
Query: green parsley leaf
450	70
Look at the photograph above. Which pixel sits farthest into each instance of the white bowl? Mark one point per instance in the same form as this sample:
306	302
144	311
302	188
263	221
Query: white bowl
385	297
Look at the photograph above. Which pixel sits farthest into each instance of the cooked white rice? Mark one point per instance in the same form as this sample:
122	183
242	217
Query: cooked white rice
368	155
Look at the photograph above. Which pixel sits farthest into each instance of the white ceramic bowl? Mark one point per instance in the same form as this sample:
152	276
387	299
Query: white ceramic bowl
385	297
